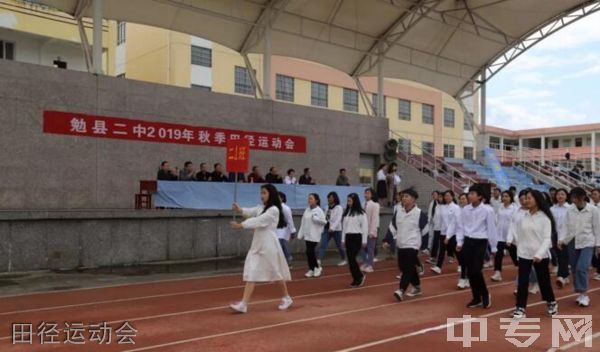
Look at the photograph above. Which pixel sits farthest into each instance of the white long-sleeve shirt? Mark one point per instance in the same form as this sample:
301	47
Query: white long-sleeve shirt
559	212
289	180
448	219
372	211
496	203
534	236
583	225
381	175
513	235
504	217
477	223
285	232
437	218
335	218
355	224
313	222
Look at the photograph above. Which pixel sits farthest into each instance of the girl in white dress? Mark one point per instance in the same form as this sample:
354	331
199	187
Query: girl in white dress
265	261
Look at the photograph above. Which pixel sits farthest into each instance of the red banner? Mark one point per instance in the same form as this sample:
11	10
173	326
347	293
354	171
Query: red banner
76	124
238	155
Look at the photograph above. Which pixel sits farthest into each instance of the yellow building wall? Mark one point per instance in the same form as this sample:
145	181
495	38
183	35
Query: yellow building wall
179	64
147	60
454	135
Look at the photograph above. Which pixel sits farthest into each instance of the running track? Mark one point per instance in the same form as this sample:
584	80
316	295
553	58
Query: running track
192	315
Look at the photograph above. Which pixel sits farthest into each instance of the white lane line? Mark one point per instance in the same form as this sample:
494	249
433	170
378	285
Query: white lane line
291	322
201	310
131	299
445	326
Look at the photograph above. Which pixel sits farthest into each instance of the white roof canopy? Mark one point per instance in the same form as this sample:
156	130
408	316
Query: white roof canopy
445	44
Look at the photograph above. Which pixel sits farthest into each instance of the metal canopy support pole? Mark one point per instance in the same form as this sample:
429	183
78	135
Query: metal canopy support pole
380	94
97	31
252	74
483	101
267	57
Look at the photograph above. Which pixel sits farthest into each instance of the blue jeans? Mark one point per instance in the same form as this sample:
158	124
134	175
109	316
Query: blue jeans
337	238
369	253
580	262
287	254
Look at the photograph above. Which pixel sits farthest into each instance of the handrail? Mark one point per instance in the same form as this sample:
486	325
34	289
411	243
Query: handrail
457	184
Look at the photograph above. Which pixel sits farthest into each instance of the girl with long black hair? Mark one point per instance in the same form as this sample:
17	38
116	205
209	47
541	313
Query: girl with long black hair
559	211
534	239
265	261
333	228
311	228
355	229
448	219
504	215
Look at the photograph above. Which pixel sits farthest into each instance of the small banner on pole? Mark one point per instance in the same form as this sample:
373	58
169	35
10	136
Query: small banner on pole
238	155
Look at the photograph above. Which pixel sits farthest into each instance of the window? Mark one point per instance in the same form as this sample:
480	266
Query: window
404	145
120	32
375	103
555	143
201	87
579	142
284	88
427	147
448	150
404	109
201	56
495	142
318	94
427	111
366	172
243	84
448	117
468	121
468	153
7	50
350	100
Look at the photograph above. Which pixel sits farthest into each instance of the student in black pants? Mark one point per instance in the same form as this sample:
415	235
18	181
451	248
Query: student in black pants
477	226
355	229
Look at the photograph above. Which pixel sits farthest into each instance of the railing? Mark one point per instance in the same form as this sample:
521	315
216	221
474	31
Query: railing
427	163
553	174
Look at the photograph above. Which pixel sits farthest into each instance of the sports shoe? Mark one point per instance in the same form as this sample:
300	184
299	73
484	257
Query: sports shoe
310	273
318	271
239	307
451	260
436	269
552	308
458	270
375	260
597	276
399	294
319	262
487	301
368	269
497	277
519	313
584	301
420	270
578	299
362	267
431	260
475	303
560	282
487	264
286	302
398	277
534	288
359	283
554	270
425	252
462	284
467	283
342	263
416	291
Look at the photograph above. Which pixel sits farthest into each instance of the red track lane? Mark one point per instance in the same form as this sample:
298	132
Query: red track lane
326	315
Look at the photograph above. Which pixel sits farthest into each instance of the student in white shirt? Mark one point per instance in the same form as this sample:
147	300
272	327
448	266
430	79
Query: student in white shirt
311	228
476	227
447	212
428	239
435	223
595	201
287	232
534	239
582	226
463	281
410	223
382	185
496	200
355	230
333	228
290	178
504	216
372	210
559	211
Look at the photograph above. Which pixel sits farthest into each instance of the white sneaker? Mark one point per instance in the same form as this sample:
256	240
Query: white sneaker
425	252
342	263
286	302
310	273
462	283
451	260
375	260
555	270
318	271
416	291
584	301
458	270
239	307
436	269
497	276
319	262
597	276
467	283
368	269
398	277
519	313
562	281
362	267
534	289
399	294
578	298
487	264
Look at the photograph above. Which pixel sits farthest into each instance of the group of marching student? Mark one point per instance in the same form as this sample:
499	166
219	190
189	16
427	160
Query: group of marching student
533	233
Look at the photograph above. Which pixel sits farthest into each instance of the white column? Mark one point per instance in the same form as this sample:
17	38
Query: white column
267	57
97	31
380	94
542	148
593	155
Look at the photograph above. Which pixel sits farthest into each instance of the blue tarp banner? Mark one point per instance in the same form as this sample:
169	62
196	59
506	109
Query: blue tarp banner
492	161
219	196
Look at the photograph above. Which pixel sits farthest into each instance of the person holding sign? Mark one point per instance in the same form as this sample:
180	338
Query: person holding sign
265	261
